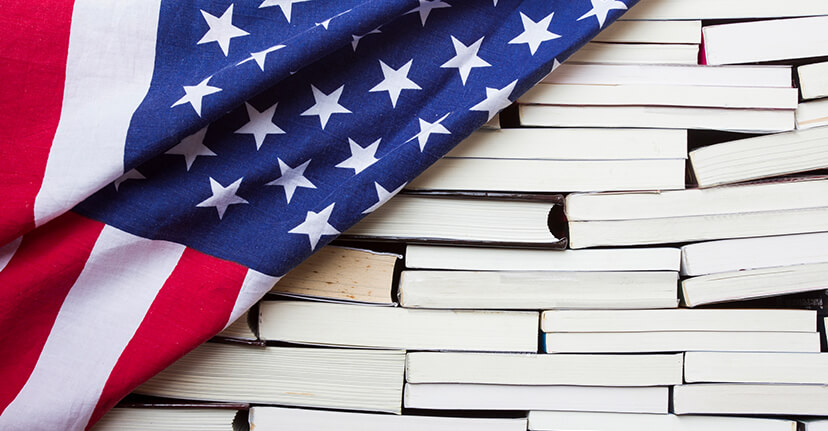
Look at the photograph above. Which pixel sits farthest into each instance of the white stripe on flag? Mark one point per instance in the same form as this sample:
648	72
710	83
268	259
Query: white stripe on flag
108	71
100	315
7	251
255	285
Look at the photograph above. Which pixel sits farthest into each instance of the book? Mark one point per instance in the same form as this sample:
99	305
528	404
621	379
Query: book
738	120
752	367
752	253
661	32
540	369
280	418
344	274
480	219
758	157
386	327
767	40
754	283
641	53
813	83
454	396
661	95
328	378
815	425
724	320
671	75
593	421
813	113
748	210
240	329
766	399
722	9
515	259
168	419
679	341
537	290
538	176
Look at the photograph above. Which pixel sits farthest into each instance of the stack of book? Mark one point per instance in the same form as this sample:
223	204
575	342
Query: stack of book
641	243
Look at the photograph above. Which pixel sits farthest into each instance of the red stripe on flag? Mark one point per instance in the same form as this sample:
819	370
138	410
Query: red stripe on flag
192	306
33	53
32	288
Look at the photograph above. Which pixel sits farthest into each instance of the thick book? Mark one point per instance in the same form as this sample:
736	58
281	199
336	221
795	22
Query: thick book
281	419
458	396
545	176
679	341
540	369
815	425
754	367
168	419
759	157
640	53
754	283
342	274
456	218
240	329
811	114
352	379
516	259
573	144
767	40
752	253
751	399
660	32
667	74
593	421
386	327
813	80
670	117
747	210
717	320
662	95
537	290
723	9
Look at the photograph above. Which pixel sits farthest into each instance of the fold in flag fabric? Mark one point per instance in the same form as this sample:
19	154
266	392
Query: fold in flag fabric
164	162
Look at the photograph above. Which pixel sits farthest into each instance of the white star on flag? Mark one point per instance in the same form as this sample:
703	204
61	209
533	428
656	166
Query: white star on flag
260	56
260	124
360	158
600	9
383	196
193	94
131	174
395	81
425	8
222	196
465	58
221	30
535	33
191	147
286	6
326	105
495	100
292	178
427	129
316	225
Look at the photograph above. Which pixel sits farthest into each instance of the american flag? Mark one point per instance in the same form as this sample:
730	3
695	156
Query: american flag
163	162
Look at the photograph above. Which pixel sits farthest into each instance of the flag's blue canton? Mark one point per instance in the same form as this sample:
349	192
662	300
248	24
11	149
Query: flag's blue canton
367	95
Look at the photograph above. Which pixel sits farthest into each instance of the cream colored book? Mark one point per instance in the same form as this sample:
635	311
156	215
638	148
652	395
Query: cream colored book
723	9
753	367
403	328
679	341
766	40
687	32
751	399
639	53
812	114
540	369
671	74
168	419
341	273
352	379
239	329
813	80
593	421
